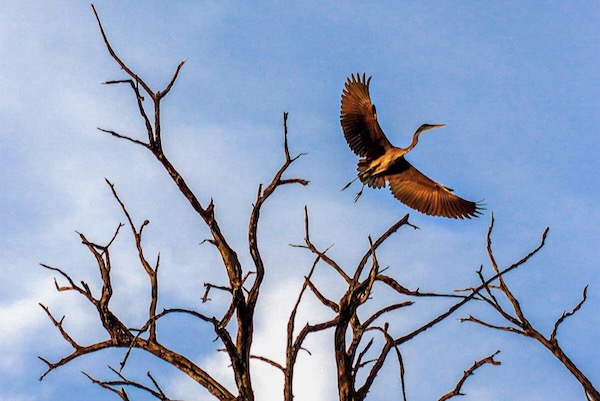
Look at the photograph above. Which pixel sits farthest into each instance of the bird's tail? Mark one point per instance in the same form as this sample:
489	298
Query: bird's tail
366	177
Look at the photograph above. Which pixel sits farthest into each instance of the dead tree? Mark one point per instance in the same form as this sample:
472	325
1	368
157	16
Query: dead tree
353	346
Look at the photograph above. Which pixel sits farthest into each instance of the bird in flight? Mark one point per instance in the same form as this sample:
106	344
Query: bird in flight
382	163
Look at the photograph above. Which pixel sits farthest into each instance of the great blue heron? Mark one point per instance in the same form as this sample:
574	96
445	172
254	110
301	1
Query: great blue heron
382	163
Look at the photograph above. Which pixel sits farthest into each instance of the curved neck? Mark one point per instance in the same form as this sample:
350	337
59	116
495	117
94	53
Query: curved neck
418	132
415	138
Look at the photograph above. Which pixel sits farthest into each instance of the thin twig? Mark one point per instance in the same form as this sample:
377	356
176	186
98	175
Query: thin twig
476	365
567	314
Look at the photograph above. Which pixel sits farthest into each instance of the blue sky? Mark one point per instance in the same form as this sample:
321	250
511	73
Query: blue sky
517	84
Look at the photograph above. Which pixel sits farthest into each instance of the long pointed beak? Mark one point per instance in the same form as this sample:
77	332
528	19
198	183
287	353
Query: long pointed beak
427	127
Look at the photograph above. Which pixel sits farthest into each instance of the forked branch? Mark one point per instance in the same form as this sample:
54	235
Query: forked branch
118	386
518	322
476	365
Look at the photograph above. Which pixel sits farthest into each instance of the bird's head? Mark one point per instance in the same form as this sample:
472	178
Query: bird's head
426	127
418	132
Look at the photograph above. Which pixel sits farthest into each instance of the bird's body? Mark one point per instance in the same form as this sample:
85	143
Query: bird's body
382	163
385	161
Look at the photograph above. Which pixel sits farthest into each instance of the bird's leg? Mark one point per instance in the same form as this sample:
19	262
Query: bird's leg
359	193
348	184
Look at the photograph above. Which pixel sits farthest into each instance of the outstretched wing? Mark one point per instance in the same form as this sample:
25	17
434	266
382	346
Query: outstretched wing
359	120
419	192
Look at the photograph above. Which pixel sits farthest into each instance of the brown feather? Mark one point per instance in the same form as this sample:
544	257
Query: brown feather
419	192
359	120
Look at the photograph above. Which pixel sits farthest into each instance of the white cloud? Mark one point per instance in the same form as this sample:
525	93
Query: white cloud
22	316
26	328
270	340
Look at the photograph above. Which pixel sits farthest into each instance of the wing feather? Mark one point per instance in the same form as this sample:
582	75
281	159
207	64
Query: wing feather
419	192
358	117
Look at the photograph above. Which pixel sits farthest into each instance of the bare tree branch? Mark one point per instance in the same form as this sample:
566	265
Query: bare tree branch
567	314
324	300
491	326
393	284
113	385
150	271
407	337
476	365
384	310
311	247
262	196
293	346
403	221
269	361
522	325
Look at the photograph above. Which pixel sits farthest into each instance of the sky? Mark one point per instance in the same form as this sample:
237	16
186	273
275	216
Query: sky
517	83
